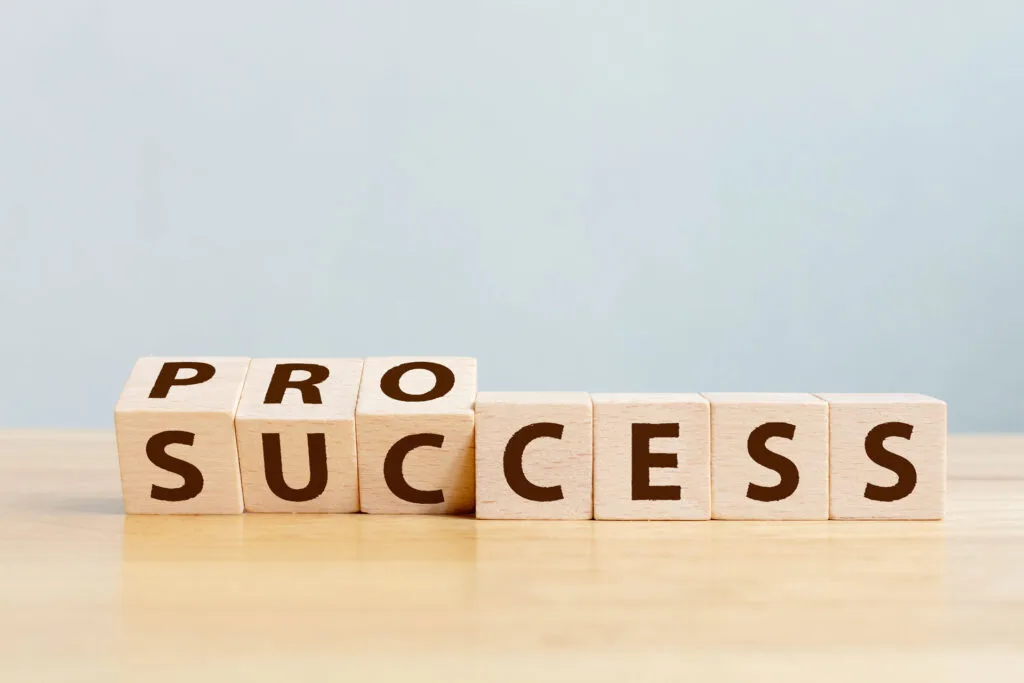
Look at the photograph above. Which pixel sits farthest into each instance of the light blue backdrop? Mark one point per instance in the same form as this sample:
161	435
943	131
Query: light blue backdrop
584	195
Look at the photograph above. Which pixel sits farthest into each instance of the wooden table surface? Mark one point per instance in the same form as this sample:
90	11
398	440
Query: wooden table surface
87	593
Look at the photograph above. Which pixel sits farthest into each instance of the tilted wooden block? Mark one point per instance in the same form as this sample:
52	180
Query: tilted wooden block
652	456
769	456
414	430
176	436
887	456
296	435
534	455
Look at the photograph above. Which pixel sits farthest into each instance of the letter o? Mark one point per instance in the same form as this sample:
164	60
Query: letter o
444	381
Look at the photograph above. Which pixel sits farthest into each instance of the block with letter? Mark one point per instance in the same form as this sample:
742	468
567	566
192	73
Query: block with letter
534	455
176	436
414	432
296	434
652	456
888	456
769	456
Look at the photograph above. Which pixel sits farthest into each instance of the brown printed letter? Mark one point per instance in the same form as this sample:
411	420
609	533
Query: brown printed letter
394	460
156	451
788	472
513	462
168	377
905	472
282	380
643	460
274	468
444	381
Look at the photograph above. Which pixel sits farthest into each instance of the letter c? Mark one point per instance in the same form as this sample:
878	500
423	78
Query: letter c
513	462
395	479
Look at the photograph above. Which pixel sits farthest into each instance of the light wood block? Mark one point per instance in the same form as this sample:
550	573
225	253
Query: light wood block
176	436
414	430
887	456
769	456
534	455
296	431
652	456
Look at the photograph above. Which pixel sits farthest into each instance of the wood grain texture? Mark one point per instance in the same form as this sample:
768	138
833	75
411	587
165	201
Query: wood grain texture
734	472
678	486
202	414
298	421
88	594
852	417
556	464
382	421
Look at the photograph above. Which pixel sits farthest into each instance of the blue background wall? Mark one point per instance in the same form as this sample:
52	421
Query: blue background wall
584	195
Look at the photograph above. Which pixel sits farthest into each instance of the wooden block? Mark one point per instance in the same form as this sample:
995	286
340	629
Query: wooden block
534	455
769	456
887	456
176	436
652	456
296	431
414	430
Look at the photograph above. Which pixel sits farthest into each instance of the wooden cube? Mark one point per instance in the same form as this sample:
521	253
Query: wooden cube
534	455
296	431
652	456
176	436
414	430
769	456
887	456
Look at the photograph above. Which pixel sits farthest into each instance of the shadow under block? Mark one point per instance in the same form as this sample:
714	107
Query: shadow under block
414	431
176	436
769	456
534	455
652	456
887	456
296	431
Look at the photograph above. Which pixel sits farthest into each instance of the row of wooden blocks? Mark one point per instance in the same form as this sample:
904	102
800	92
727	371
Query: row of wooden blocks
413	435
